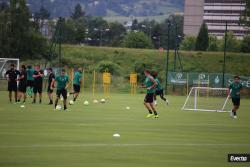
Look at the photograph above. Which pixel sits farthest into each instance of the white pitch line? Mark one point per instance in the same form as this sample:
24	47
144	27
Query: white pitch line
125	145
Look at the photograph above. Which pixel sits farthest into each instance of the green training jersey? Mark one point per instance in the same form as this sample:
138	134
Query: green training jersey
62	81
77	78
30	73
235	89
158	87
148	83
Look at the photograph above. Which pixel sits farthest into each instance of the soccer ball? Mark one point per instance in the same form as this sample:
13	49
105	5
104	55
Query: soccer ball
58	107
71	102
95	101
103	101
86	103
128	108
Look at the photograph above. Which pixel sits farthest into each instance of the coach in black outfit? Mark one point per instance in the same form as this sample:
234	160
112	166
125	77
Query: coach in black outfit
12	81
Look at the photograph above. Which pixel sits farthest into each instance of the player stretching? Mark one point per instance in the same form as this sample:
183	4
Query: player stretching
77	83
235	89
50	86
62	85
12	81
150	84
30	80
22	84
38	84
159	90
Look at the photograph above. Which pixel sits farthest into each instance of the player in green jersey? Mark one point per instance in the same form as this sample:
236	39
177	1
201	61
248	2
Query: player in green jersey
62	83
30	80
234	90
77	83
150	84
159	90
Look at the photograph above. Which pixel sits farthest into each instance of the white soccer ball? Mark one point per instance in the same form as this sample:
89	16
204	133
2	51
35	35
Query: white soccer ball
71	102
95	101
128	108
102	100
58	107
22	106
86	103
116	135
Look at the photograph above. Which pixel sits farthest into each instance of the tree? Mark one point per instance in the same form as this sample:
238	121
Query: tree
137	40
42	14
78	12
116	34
245	17
233	45
245	44
202	39
188	43
213	43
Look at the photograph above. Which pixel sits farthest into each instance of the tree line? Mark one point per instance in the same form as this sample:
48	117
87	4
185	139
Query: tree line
20	35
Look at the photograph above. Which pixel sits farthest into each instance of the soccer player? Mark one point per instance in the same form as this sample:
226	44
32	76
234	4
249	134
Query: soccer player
234	90
22	84
77	83
30	80
150	84
159	90
11	76
38	84
50	86
62	83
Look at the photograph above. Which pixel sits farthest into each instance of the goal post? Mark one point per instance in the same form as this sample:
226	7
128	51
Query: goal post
207	99
5	65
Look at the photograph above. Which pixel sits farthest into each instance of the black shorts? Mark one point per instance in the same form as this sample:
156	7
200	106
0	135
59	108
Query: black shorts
159	92
30	83
38	88
149	98
236	101
49	90
12	86
62	92
22	88
77	88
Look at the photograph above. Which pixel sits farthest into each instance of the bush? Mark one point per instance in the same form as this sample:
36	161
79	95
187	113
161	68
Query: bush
137	40
245	45
109	66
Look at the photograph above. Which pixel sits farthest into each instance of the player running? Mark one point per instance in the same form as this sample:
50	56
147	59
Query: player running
50	85
11	76
38	84
22	84
30	80
77	83
234	90
159	90
150	84
62	82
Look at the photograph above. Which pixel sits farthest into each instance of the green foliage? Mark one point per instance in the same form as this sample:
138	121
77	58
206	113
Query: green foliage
202	39
188	43
18	36
213	43
137	40
245	44
109	66
233	45
116	34
42	14
245	17
78	13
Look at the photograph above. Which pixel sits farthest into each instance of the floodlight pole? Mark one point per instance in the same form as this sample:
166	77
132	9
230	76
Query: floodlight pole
224	61
167	61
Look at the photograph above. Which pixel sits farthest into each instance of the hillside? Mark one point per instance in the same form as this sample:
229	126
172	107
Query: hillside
126	8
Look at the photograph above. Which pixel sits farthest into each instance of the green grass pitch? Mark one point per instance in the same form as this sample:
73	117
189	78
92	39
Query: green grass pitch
37	136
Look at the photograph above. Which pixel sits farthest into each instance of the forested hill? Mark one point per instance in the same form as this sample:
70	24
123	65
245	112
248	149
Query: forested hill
64	8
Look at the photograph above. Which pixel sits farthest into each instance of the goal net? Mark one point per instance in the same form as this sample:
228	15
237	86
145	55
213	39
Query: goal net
207	99
5	65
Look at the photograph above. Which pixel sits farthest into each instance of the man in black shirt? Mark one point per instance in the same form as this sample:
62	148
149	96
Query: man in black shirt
22	84
50	85
12	81
38	84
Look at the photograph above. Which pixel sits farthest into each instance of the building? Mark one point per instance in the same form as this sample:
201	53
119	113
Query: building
215	13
